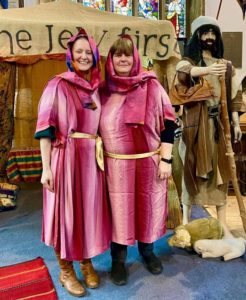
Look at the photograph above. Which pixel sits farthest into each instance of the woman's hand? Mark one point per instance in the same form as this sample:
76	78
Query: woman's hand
47	176
164	170
47	180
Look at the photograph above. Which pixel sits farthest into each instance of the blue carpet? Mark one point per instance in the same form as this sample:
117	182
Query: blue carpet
186	276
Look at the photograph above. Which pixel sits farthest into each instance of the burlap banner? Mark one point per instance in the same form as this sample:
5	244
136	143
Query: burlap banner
44	29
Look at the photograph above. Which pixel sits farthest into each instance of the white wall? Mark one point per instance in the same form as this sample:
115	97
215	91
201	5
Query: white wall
230	20
13	4
30	2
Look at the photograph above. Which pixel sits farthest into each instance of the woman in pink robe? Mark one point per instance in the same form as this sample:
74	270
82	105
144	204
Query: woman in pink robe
75	213
137	127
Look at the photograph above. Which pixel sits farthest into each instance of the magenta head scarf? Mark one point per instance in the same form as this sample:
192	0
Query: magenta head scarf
136	68
135	86
73	39
95	71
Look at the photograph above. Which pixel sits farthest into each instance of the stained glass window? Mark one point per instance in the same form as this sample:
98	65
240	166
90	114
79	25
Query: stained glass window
176	13
122	7
98	4
148	9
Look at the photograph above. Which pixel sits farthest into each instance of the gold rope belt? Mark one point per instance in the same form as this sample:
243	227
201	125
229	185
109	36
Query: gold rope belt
131	156
99	145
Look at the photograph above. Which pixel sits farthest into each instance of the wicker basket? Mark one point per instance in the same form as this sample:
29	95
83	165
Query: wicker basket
8	196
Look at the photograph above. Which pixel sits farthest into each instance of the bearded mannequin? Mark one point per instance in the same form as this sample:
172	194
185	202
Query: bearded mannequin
202	147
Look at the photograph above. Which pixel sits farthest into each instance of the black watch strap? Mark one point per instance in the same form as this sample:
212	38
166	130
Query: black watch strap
168	161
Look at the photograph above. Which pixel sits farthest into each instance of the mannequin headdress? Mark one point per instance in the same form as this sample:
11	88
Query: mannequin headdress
203	20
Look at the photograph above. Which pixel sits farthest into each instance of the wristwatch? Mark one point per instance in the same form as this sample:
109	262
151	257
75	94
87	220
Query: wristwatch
168	161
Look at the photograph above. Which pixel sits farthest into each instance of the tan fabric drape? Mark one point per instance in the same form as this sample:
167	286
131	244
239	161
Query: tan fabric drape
7	93
31	82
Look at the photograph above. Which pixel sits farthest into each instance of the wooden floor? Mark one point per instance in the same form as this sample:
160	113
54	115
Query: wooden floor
233	218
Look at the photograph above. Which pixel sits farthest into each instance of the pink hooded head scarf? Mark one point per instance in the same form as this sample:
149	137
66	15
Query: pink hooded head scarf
95	71
78	78
135	85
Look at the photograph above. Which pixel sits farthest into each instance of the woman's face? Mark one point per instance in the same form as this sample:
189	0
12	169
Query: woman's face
122	64
82	54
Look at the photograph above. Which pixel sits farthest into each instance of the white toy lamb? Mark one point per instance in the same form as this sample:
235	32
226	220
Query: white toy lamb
227	248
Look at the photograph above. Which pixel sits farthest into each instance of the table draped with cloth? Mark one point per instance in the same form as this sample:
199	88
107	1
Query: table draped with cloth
24	165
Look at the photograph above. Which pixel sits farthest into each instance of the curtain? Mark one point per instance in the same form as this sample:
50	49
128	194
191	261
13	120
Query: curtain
7	93
31	82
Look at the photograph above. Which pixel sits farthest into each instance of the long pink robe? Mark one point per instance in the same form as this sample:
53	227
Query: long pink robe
138	198
75	217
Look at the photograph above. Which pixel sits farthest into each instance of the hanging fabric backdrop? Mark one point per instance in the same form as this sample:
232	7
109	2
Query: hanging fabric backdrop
31	82
7	92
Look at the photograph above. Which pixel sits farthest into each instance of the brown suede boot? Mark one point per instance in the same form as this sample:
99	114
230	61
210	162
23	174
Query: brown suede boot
68	278
91	278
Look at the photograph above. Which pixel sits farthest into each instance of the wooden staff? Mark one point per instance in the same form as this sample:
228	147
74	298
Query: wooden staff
218	12
230	153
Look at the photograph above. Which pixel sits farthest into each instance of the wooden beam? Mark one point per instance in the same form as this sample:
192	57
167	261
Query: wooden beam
162	9
194	9
135	8
107	5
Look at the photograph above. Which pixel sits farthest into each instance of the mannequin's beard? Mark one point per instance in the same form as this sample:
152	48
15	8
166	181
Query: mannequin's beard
208	44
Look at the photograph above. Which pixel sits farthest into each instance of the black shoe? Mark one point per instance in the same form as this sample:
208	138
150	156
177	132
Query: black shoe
153	264
118	273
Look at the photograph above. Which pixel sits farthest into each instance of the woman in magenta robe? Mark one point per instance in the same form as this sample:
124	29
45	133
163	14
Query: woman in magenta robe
75	212
137	126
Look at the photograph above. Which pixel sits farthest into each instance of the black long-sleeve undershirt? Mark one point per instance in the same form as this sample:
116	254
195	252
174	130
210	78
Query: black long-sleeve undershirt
167	135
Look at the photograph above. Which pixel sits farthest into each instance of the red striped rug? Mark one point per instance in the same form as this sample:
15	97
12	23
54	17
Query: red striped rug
27	280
